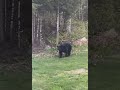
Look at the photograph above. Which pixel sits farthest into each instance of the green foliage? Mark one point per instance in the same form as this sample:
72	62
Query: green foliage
80	30
67	6
79	49
67	9
52	40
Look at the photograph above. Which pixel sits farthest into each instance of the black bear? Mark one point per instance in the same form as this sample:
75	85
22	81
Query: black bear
64	48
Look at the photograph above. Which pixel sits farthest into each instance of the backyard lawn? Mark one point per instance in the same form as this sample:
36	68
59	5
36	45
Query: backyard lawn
68	73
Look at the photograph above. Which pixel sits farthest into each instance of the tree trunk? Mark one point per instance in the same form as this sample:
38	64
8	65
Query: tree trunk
82	10
1	20
57	39
37	30
68	27
34	27
19	25
40	30
12	20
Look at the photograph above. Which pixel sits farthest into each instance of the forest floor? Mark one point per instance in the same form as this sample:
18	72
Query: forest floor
105	76
68	73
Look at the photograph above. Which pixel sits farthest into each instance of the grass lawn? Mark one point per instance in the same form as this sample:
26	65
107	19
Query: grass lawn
60	73
105	76
15	81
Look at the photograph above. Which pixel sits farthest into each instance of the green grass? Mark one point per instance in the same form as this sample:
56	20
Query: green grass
49	73
15	81
105	76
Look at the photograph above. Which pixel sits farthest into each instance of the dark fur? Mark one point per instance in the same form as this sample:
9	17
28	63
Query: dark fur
64	48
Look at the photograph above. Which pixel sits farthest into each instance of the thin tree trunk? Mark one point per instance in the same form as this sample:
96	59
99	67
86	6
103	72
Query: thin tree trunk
32	28
57	39
40	30
81	10
1	20
19	25
35	27
5	16
69	26
37	39
61	21
12	20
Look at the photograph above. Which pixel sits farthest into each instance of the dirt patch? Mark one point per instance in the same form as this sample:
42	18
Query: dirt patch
80	42
77	71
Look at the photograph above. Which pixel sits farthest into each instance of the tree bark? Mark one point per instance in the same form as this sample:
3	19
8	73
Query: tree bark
1	20
40	30
19	25
58	17
68	27
12	20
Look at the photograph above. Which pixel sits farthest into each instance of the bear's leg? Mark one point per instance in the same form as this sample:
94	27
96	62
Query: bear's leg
69	53
60	54
66	54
